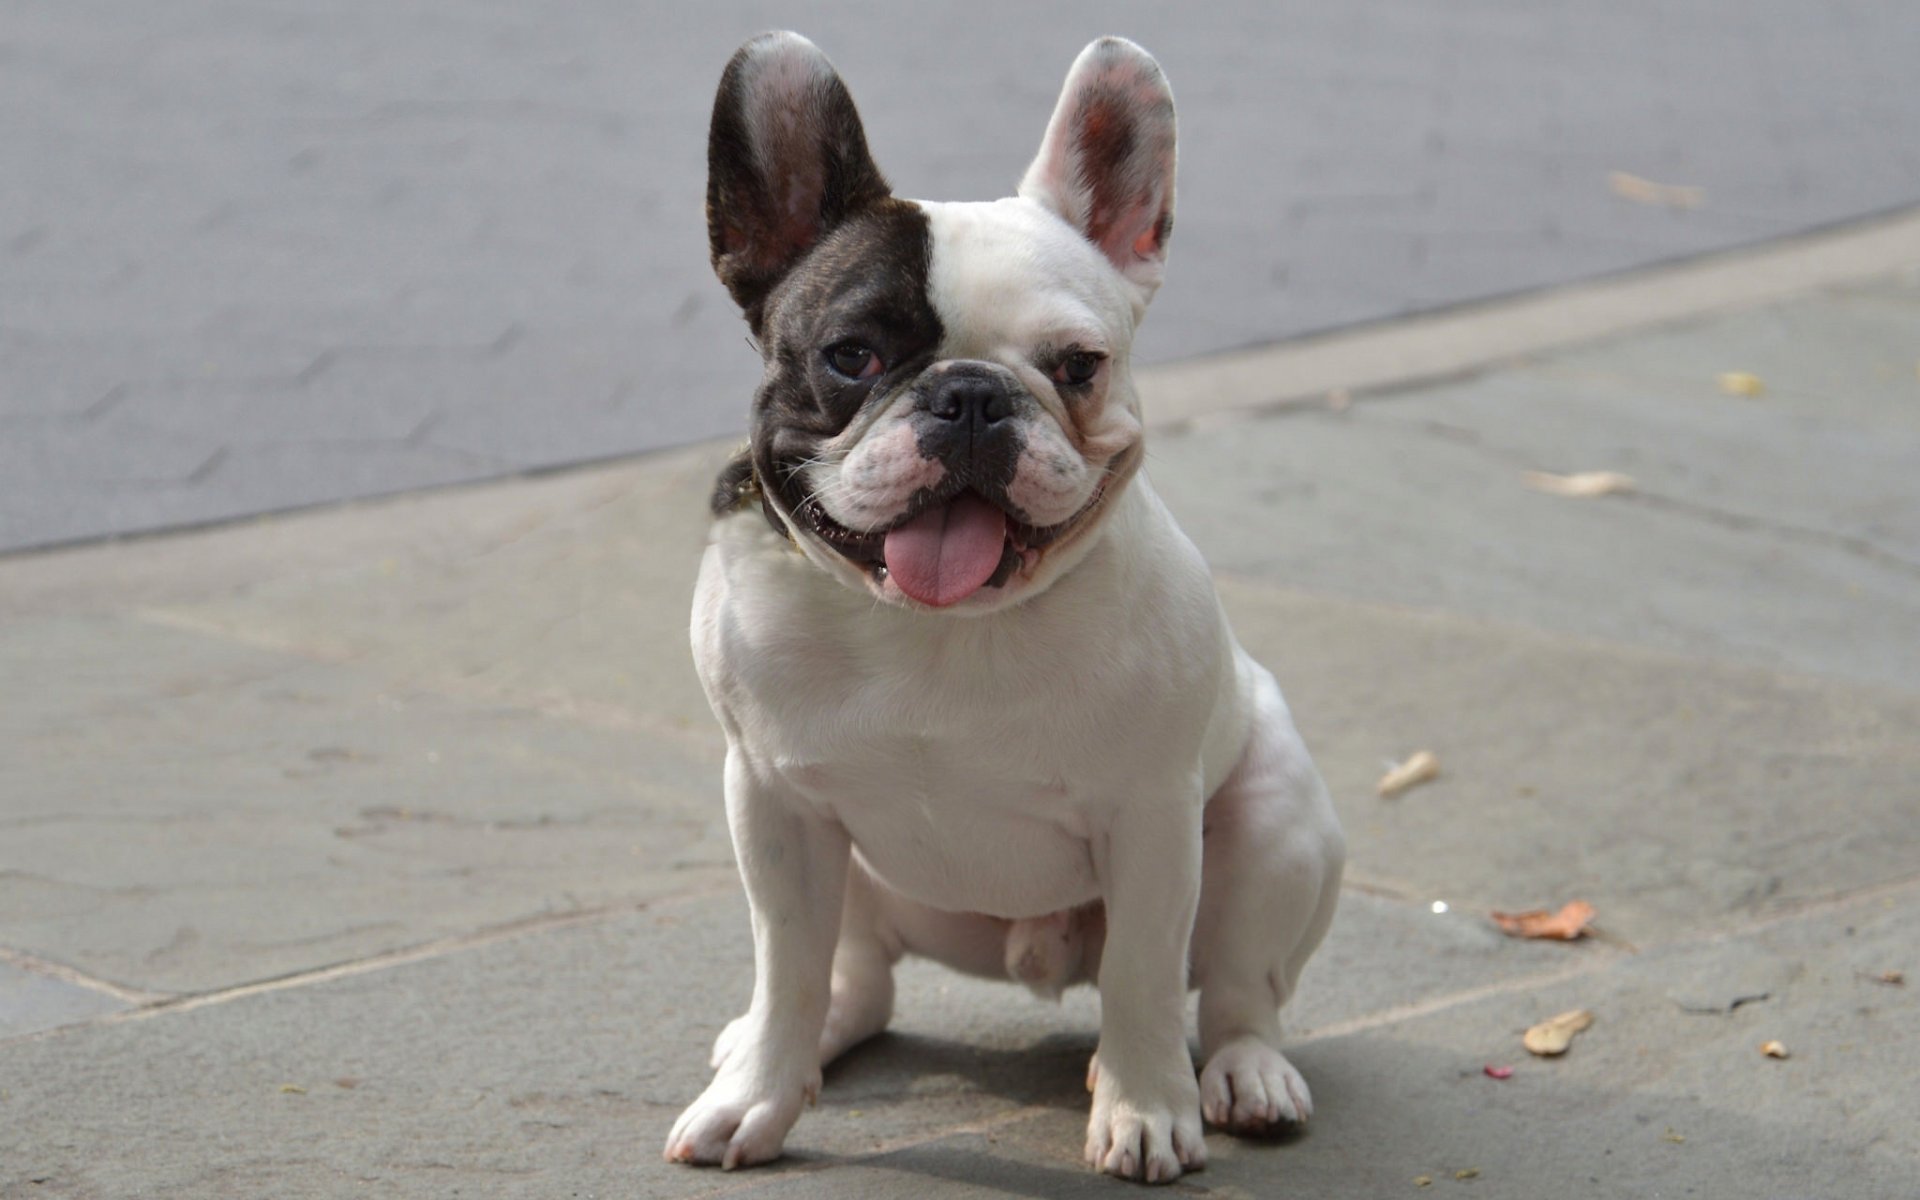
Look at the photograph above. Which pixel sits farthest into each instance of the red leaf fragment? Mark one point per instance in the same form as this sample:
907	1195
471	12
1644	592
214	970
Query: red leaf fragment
1566	925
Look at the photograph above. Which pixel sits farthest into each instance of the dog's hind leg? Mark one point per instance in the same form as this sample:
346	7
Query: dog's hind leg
862	998
1271	862
879	926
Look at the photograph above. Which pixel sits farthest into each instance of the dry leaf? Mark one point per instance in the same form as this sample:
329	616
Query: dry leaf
1741	383
1498	1072
1678	1139
1466	1173
1553	1035
1646	191
1893	978
292	1089
1566	925
1417	769
1581	484
1774	1049
1423	1181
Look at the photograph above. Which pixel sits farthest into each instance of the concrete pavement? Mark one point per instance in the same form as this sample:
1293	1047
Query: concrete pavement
260	256
378	851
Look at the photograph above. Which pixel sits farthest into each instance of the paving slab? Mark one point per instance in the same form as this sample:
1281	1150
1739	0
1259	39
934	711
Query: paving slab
564	1080
200	813
578	611
1781	530
1854	357
1652	1100
629	1006
1589	770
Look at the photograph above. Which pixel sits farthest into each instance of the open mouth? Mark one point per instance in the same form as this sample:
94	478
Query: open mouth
948	546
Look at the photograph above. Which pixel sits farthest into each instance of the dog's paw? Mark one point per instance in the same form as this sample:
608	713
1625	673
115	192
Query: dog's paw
1248	1087
734	1125
1152	1139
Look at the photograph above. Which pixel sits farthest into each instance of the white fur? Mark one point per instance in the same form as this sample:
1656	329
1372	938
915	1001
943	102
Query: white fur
1020	794
1052	753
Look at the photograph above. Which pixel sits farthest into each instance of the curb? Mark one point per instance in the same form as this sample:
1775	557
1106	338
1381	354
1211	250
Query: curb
1458	341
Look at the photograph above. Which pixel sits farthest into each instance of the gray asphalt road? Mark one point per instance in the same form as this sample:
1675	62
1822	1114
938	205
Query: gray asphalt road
255	256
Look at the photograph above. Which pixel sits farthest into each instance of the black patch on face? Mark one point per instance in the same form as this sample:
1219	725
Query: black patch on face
777	185
808	240
865	282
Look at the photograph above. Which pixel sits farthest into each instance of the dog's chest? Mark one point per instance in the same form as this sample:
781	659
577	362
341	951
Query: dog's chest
974	762
980	818
971	771
973	774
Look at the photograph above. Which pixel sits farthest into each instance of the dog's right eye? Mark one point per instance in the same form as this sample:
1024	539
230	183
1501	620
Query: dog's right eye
853	360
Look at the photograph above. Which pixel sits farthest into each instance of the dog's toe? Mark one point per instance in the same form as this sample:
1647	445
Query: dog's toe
737	1122
1248	1087
1154	1143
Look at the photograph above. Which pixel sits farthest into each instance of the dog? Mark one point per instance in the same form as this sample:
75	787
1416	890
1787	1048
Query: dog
980	698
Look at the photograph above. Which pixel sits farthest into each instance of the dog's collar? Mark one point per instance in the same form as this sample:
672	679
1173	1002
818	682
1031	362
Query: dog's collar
740	485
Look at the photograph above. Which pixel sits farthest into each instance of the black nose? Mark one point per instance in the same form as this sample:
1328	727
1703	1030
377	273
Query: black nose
973	401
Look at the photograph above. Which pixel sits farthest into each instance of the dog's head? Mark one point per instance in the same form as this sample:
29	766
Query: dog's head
947	413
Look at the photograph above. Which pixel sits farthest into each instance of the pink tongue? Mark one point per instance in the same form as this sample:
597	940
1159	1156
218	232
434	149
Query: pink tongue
948	552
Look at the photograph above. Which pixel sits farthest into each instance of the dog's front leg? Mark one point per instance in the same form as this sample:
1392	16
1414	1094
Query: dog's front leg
794	864
1146	1104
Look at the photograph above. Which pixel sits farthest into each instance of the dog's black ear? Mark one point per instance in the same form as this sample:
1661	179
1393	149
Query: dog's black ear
1106	164
787	161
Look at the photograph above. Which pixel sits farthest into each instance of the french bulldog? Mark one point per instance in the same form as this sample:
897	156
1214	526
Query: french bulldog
980	699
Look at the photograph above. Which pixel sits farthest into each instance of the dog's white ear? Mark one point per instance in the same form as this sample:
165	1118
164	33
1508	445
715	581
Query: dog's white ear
1107	162
787	161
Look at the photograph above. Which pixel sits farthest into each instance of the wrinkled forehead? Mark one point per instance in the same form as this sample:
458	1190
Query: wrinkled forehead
1008	274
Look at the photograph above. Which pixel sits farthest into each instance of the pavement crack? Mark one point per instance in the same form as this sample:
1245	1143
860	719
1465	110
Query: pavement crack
321	363
1725	518
383	819
1747	523
155	1004
1597	960
108	401
33	964
211	464
1401	1013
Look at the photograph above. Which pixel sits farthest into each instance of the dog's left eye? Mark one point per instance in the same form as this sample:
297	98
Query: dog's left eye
1078	368
853	360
